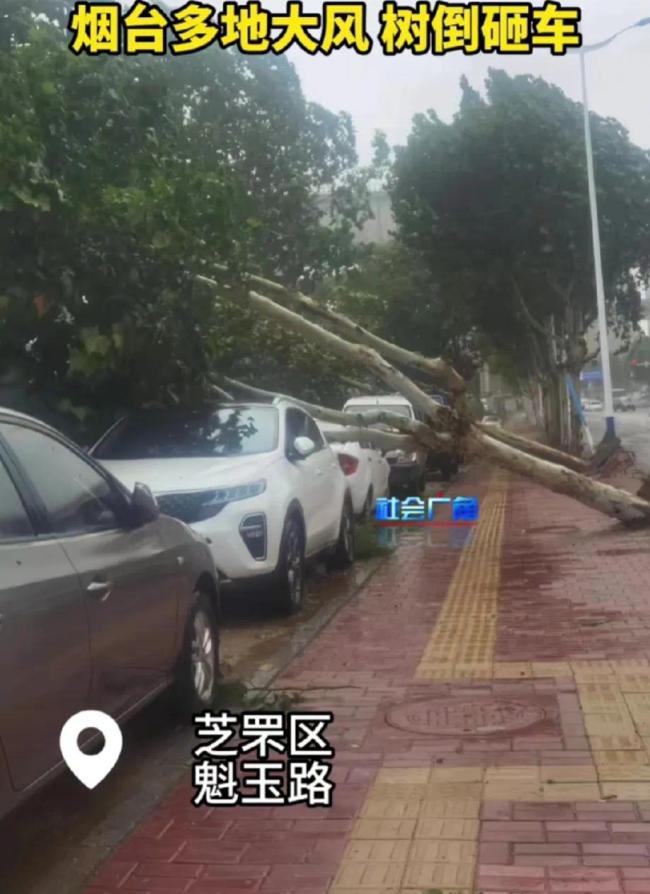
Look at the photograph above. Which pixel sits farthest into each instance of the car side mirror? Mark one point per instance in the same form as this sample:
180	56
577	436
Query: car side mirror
303	446
144	505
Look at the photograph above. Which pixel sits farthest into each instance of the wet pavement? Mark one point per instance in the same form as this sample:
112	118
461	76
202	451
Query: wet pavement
492	726
55	840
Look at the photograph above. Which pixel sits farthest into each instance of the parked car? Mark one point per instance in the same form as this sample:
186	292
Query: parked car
640	398
407	469
491	420
366	469
590	405
104	602
624	404
258	481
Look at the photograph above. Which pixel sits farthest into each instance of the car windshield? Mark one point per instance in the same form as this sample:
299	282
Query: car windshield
228	431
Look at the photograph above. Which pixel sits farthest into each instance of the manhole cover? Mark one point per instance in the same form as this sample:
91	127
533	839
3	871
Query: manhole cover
465	716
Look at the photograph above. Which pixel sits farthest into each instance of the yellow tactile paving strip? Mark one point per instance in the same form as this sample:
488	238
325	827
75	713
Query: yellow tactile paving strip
463	639
418	828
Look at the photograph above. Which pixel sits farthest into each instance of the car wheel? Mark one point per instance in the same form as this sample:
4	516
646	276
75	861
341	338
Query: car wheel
290	576
344	551
198	667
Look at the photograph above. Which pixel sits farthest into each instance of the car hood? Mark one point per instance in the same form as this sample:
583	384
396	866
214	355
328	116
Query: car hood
165	476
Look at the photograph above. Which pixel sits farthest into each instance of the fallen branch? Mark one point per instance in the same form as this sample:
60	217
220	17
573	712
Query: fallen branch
610	500
357	422
447	428
381	440
437	369
540	450
441	418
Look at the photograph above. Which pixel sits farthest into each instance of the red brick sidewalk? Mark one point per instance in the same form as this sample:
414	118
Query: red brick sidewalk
492	716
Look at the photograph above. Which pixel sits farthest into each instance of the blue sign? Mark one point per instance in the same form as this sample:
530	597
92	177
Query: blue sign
595	375
414	510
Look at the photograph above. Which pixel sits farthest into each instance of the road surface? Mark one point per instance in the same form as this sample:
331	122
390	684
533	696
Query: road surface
633	428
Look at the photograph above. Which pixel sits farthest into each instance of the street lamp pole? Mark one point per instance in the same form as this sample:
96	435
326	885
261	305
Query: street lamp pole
610	431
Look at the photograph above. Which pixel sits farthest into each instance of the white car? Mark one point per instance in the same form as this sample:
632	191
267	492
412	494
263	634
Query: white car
257	481
365	467
407	470
591	405
491	420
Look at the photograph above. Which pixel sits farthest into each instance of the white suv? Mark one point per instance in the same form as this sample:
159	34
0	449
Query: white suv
258	481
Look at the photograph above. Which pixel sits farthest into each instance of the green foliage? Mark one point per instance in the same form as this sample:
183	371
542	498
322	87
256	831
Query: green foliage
497	203
120	178
391	292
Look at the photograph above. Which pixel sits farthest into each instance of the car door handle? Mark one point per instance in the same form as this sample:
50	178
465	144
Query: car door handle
319	471
100	588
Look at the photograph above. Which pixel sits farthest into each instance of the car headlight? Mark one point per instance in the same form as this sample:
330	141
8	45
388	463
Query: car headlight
225	495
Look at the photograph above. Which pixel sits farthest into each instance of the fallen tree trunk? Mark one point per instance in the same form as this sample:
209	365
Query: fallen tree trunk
437	369
441	418
381	440
447	427
610	500
355	423
540	450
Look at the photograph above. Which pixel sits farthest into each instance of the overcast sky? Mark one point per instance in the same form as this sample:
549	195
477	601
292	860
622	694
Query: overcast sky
382	92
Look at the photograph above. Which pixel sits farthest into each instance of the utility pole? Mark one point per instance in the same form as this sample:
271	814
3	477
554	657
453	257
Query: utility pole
610	428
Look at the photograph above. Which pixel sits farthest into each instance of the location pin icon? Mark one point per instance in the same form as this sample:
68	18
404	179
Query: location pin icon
90	769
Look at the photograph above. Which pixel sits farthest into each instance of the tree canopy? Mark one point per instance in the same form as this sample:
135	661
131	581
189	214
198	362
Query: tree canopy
122	177
497	203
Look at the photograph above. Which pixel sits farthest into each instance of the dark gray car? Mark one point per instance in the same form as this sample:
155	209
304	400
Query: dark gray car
103	601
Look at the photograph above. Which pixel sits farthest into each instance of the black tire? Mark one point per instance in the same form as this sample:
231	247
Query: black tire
198	665
290	574
344	551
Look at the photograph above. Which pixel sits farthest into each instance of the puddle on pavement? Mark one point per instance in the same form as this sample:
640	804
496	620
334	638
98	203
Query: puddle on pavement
255	638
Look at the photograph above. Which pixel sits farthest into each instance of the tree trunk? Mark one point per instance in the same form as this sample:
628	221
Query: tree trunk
437	369
607	499
553	410
536	449
576	446
447	430
413	432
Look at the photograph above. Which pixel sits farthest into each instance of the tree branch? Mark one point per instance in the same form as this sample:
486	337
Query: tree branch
413	430
441	418
437	369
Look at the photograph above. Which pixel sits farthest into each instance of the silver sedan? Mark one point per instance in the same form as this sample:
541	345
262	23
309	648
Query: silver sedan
104	603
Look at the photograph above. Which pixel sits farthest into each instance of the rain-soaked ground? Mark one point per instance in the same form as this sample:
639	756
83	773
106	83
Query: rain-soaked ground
52	843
